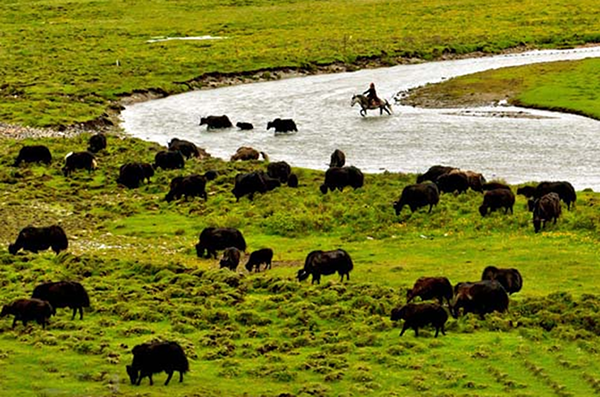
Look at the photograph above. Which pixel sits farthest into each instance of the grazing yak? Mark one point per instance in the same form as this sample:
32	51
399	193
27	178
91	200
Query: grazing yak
325	263
216	122
493	185
259	257
246	153
60	294
251	183
244	126
433	173
230	259
188	149
96	143
187	186
479	298
36	239
546	208
565	191
417	196
417	316
34	154
293	181
338	178
475	179
282	125
338	159
527	191
79	161
211	175
453	182
431	288
279	170
510	278
132	174
155	357
213	239
27	310
496	199
168	160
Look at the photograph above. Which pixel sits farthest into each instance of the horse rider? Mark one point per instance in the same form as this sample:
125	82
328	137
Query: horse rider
372	96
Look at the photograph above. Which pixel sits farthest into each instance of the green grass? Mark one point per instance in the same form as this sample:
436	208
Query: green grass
561	86
266	333
58	61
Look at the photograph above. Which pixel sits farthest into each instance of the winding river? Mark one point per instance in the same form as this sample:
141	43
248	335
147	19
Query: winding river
545	146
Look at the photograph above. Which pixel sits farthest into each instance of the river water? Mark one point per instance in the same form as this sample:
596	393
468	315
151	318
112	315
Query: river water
549	146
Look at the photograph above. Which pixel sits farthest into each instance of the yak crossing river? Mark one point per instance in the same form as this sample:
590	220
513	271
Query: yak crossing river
534	146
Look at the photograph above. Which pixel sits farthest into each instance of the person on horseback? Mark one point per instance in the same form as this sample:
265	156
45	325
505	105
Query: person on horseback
372	96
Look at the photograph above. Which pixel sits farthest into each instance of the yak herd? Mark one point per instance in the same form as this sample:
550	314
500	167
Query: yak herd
280	126
480	298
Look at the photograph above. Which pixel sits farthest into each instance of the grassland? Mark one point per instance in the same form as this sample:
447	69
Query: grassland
65	62
561	86
267	334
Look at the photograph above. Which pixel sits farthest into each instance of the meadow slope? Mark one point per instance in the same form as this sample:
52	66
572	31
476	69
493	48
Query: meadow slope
266	333
558	86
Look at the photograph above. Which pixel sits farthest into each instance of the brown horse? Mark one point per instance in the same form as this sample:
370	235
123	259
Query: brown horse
365	105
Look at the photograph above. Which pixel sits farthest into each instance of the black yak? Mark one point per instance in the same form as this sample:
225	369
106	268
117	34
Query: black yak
60	294
34	154
279	170
96	143
259	257
132	174
187	186
216	122
433	173
338	159
36	239
244	126
496	199
431	288
417	196
188	149
338	178
479	298
510	278
325	263
79	161
155	357
213	239
168	160
230	259
282	125
546	208
417	316
27	310
251	183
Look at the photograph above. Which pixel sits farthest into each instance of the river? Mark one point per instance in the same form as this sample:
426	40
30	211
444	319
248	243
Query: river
547	146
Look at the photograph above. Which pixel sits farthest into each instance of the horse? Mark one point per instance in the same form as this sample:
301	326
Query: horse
365	105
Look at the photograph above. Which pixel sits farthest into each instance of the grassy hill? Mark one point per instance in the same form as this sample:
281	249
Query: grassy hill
559	86
65	62
266	333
